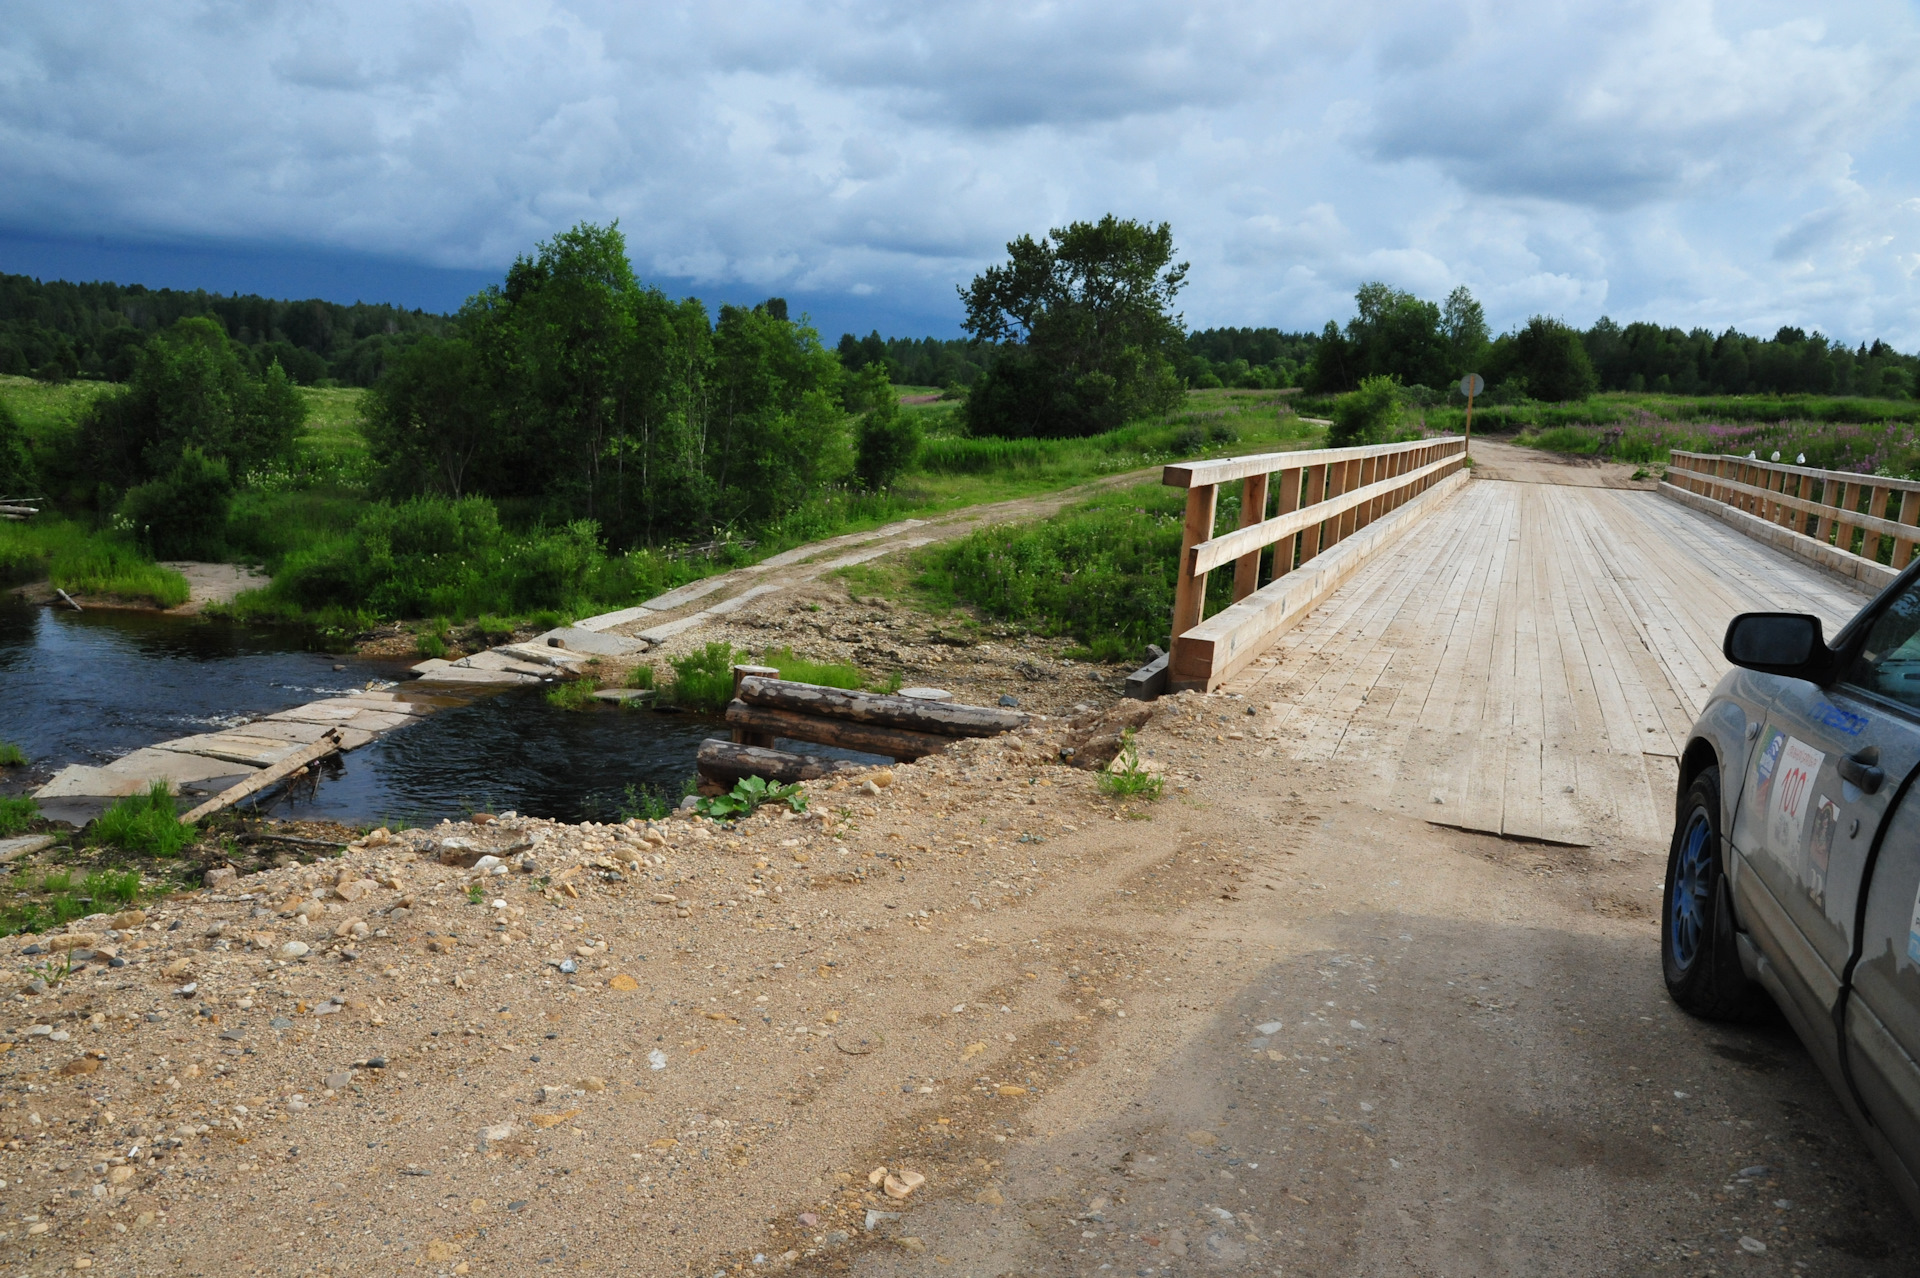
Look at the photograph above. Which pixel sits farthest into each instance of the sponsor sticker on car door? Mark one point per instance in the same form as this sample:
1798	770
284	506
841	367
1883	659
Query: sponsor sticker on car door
1791	797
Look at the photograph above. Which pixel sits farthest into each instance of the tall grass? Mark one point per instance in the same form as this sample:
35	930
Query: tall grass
78	561
828	674
146	823
17	812
1886	447
1101	571
703	680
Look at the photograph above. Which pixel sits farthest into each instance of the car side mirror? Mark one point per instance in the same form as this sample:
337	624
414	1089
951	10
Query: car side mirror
1782	643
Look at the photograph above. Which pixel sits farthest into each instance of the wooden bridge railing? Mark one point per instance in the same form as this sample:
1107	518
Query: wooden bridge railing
1319	499
1841	518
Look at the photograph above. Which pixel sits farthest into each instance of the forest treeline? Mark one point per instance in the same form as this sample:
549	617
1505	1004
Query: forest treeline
57	330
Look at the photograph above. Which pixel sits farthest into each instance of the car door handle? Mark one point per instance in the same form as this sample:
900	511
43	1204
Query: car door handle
1862	769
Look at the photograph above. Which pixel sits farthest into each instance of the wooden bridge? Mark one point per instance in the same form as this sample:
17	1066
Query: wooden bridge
1522	653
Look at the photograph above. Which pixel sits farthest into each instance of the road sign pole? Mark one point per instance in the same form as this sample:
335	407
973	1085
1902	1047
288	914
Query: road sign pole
1471	385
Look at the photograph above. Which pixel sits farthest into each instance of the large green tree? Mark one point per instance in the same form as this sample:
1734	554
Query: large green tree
190	388
1085	328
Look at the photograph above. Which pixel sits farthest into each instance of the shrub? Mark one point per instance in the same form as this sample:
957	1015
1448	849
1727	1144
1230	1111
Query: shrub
102	886
885	445
1368	415
641	676
11	755
703	680
183	513
1126	777
145	823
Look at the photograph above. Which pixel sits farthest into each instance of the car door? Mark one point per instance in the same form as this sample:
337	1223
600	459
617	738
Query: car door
1827	765
1883	1003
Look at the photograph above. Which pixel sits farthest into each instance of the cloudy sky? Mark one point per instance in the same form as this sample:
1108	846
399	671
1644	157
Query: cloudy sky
1682	161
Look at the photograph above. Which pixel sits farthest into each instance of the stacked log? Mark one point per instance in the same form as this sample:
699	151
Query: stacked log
901	728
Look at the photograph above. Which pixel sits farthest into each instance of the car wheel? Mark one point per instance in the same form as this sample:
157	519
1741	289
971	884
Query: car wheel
1697	949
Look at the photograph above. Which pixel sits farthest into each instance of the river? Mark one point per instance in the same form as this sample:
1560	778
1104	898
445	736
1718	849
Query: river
90	687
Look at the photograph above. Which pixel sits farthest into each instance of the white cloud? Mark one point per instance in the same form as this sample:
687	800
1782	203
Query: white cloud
1666	159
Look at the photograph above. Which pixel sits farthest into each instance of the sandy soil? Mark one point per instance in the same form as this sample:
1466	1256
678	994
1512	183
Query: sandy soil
214	583
1255	1026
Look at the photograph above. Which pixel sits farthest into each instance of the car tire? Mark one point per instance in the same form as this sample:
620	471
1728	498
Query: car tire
1698	953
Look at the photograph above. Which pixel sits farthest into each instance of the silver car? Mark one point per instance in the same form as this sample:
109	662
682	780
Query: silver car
1795	865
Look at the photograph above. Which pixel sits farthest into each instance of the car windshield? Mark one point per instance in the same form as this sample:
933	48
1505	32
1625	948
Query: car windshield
1889	663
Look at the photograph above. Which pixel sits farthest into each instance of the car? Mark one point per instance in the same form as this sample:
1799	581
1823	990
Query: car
1794	871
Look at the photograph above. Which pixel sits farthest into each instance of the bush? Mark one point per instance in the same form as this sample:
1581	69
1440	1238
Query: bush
183	514
641	676
885	444
12	756
1369	415
146	823
703	680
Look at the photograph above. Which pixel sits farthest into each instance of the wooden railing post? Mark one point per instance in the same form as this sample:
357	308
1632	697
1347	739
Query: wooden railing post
1312	541
1253	510
1909	514
1288	502
1189	587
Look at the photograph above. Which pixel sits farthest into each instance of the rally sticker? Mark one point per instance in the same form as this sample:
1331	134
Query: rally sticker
1792	792
1768	759
1913	931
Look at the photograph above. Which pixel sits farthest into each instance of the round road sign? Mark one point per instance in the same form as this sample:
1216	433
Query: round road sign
1471	385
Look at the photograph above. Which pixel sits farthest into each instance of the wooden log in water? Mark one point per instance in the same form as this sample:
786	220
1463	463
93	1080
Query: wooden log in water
260	780
895	743
935	718
726	763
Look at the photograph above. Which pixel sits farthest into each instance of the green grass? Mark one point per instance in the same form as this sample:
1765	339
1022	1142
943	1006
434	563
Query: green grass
119	887
641	676
1887	447
703	680
146	823
825	673
571	694
79	561
17	812
1101	571
12	756
43	409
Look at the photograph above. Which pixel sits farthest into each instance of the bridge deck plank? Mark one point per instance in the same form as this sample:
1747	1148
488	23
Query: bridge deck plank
1529	662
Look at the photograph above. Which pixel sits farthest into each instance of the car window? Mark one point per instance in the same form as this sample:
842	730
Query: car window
1889	662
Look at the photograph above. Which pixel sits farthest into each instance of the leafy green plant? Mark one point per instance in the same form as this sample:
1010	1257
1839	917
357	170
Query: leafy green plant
644	803
428	644
476	892
145	823
571	694
641	676
12	756
1127	777
704	680
748	794
17	812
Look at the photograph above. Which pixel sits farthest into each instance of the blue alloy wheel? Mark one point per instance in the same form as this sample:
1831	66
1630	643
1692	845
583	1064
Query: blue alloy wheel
1692	885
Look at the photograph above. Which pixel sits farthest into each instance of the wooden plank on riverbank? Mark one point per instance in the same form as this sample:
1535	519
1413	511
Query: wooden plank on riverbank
265	777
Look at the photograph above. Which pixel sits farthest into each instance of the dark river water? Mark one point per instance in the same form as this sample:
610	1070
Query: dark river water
89	687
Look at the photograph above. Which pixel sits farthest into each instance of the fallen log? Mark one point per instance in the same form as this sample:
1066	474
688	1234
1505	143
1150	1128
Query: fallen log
260	780
938	718
726	763
895	743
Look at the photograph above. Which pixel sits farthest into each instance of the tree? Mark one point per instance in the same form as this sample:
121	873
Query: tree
427	417
190	388
1395	334
1549	359
183	513
16	462
1463	326
1084	324
886	439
